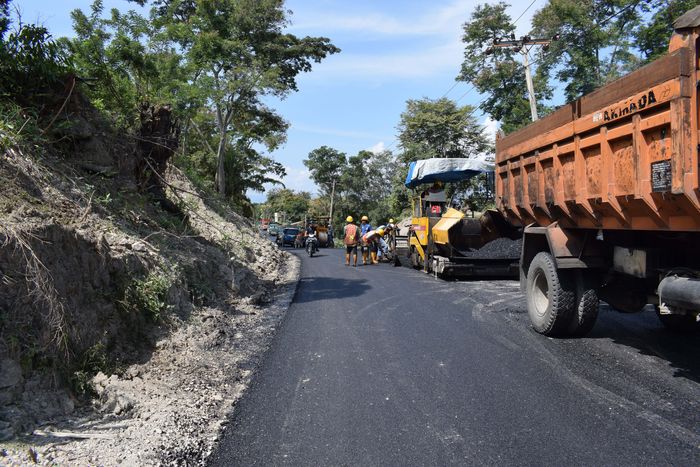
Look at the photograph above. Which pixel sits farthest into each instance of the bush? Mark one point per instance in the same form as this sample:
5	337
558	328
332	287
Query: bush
149	296
29	58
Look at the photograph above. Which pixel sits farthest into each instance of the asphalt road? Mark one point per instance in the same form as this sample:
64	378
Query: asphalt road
387	366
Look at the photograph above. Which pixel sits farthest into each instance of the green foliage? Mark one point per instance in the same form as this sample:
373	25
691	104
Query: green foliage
125	62
91	362
30	60
149	296
439	128
294	204
594	44
214	60
18	126
362	184
653	37
237	53
476	194
326	166
498	73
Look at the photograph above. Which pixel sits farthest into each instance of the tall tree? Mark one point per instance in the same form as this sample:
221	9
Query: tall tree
326	166
440	128
127	64
594	42
653	36
498	73
294	204
238	53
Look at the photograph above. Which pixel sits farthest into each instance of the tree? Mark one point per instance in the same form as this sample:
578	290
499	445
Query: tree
326	166
594	42
294	204
30	60
238	53
652	38
498	72
439	128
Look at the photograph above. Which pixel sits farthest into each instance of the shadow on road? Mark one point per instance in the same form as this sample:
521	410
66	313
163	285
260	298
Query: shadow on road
649	337
312	289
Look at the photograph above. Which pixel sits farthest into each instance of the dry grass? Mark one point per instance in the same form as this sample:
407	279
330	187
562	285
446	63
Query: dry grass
40	286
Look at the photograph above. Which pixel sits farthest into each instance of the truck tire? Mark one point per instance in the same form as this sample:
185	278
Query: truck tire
678	323
551	296
587	303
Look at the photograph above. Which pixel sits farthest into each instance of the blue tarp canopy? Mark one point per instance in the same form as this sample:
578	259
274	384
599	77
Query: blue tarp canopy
445	170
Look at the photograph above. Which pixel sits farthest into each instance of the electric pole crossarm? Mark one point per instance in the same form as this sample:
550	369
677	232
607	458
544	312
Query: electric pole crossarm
523	46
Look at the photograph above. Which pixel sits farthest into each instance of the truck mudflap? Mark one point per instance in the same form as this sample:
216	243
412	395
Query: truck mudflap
475	267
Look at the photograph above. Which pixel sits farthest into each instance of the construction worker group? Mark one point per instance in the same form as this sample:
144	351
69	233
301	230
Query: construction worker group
370	241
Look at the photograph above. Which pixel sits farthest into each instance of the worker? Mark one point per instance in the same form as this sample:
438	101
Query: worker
350	238
364	228
383	246
391	229
371	239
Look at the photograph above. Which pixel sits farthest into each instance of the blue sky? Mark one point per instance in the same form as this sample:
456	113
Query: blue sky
392	51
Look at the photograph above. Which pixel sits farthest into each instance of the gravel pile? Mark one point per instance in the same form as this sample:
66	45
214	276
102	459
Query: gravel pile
501	248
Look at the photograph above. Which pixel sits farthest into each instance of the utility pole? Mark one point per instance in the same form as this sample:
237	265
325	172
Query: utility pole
330	214
530	87
523	45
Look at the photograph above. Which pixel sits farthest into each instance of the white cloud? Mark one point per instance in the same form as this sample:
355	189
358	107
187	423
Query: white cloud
490	128
333	132
431	23
299	179
377	148
423	63
443	24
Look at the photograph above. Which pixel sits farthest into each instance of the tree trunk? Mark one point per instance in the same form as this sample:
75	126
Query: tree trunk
330	214
221	168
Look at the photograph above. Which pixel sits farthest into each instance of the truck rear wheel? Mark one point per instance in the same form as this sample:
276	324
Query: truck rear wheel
587	303
551	296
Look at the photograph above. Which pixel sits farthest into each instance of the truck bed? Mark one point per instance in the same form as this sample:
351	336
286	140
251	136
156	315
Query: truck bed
622	157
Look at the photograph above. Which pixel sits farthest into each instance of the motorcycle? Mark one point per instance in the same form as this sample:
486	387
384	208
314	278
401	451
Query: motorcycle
311	244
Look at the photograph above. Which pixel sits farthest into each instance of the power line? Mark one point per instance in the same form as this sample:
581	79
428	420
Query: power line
523	13
564	47
450	90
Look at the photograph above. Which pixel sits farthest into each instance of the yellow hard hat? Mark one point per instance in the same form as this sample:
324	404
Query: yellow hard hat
391	221
365	218
380	232
348	219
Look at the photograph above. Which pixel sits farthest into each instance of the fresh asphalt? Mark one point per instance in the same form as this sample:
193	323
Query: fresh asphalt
379	365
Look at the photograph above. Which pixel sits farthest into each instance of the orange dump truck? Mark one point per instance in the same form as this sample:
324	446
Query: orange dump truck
607	190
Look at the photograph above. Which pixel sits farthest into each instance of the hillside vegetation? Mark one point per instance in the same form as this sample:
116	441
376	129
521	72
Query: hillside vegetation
135	296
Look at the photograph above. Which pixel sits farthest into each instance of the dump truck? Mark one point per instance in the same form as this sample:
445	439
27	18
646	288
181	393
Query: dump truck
442	240
606	190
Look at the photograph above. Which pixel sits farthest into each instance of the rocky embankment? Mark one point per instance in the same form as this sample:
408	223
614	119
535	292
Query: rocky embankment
131	320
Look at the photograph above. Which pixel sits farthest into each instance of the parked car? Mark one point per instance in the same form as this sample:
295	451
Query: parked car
273	229
287	236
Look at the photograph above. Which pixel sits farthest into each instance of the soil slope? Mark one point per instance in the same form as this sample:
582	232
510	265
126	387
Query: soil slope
129	325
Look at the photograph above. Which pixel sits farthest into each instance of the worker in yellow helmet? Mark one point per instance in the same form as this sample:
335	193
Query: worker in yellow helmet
364	228
371	239
351	236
